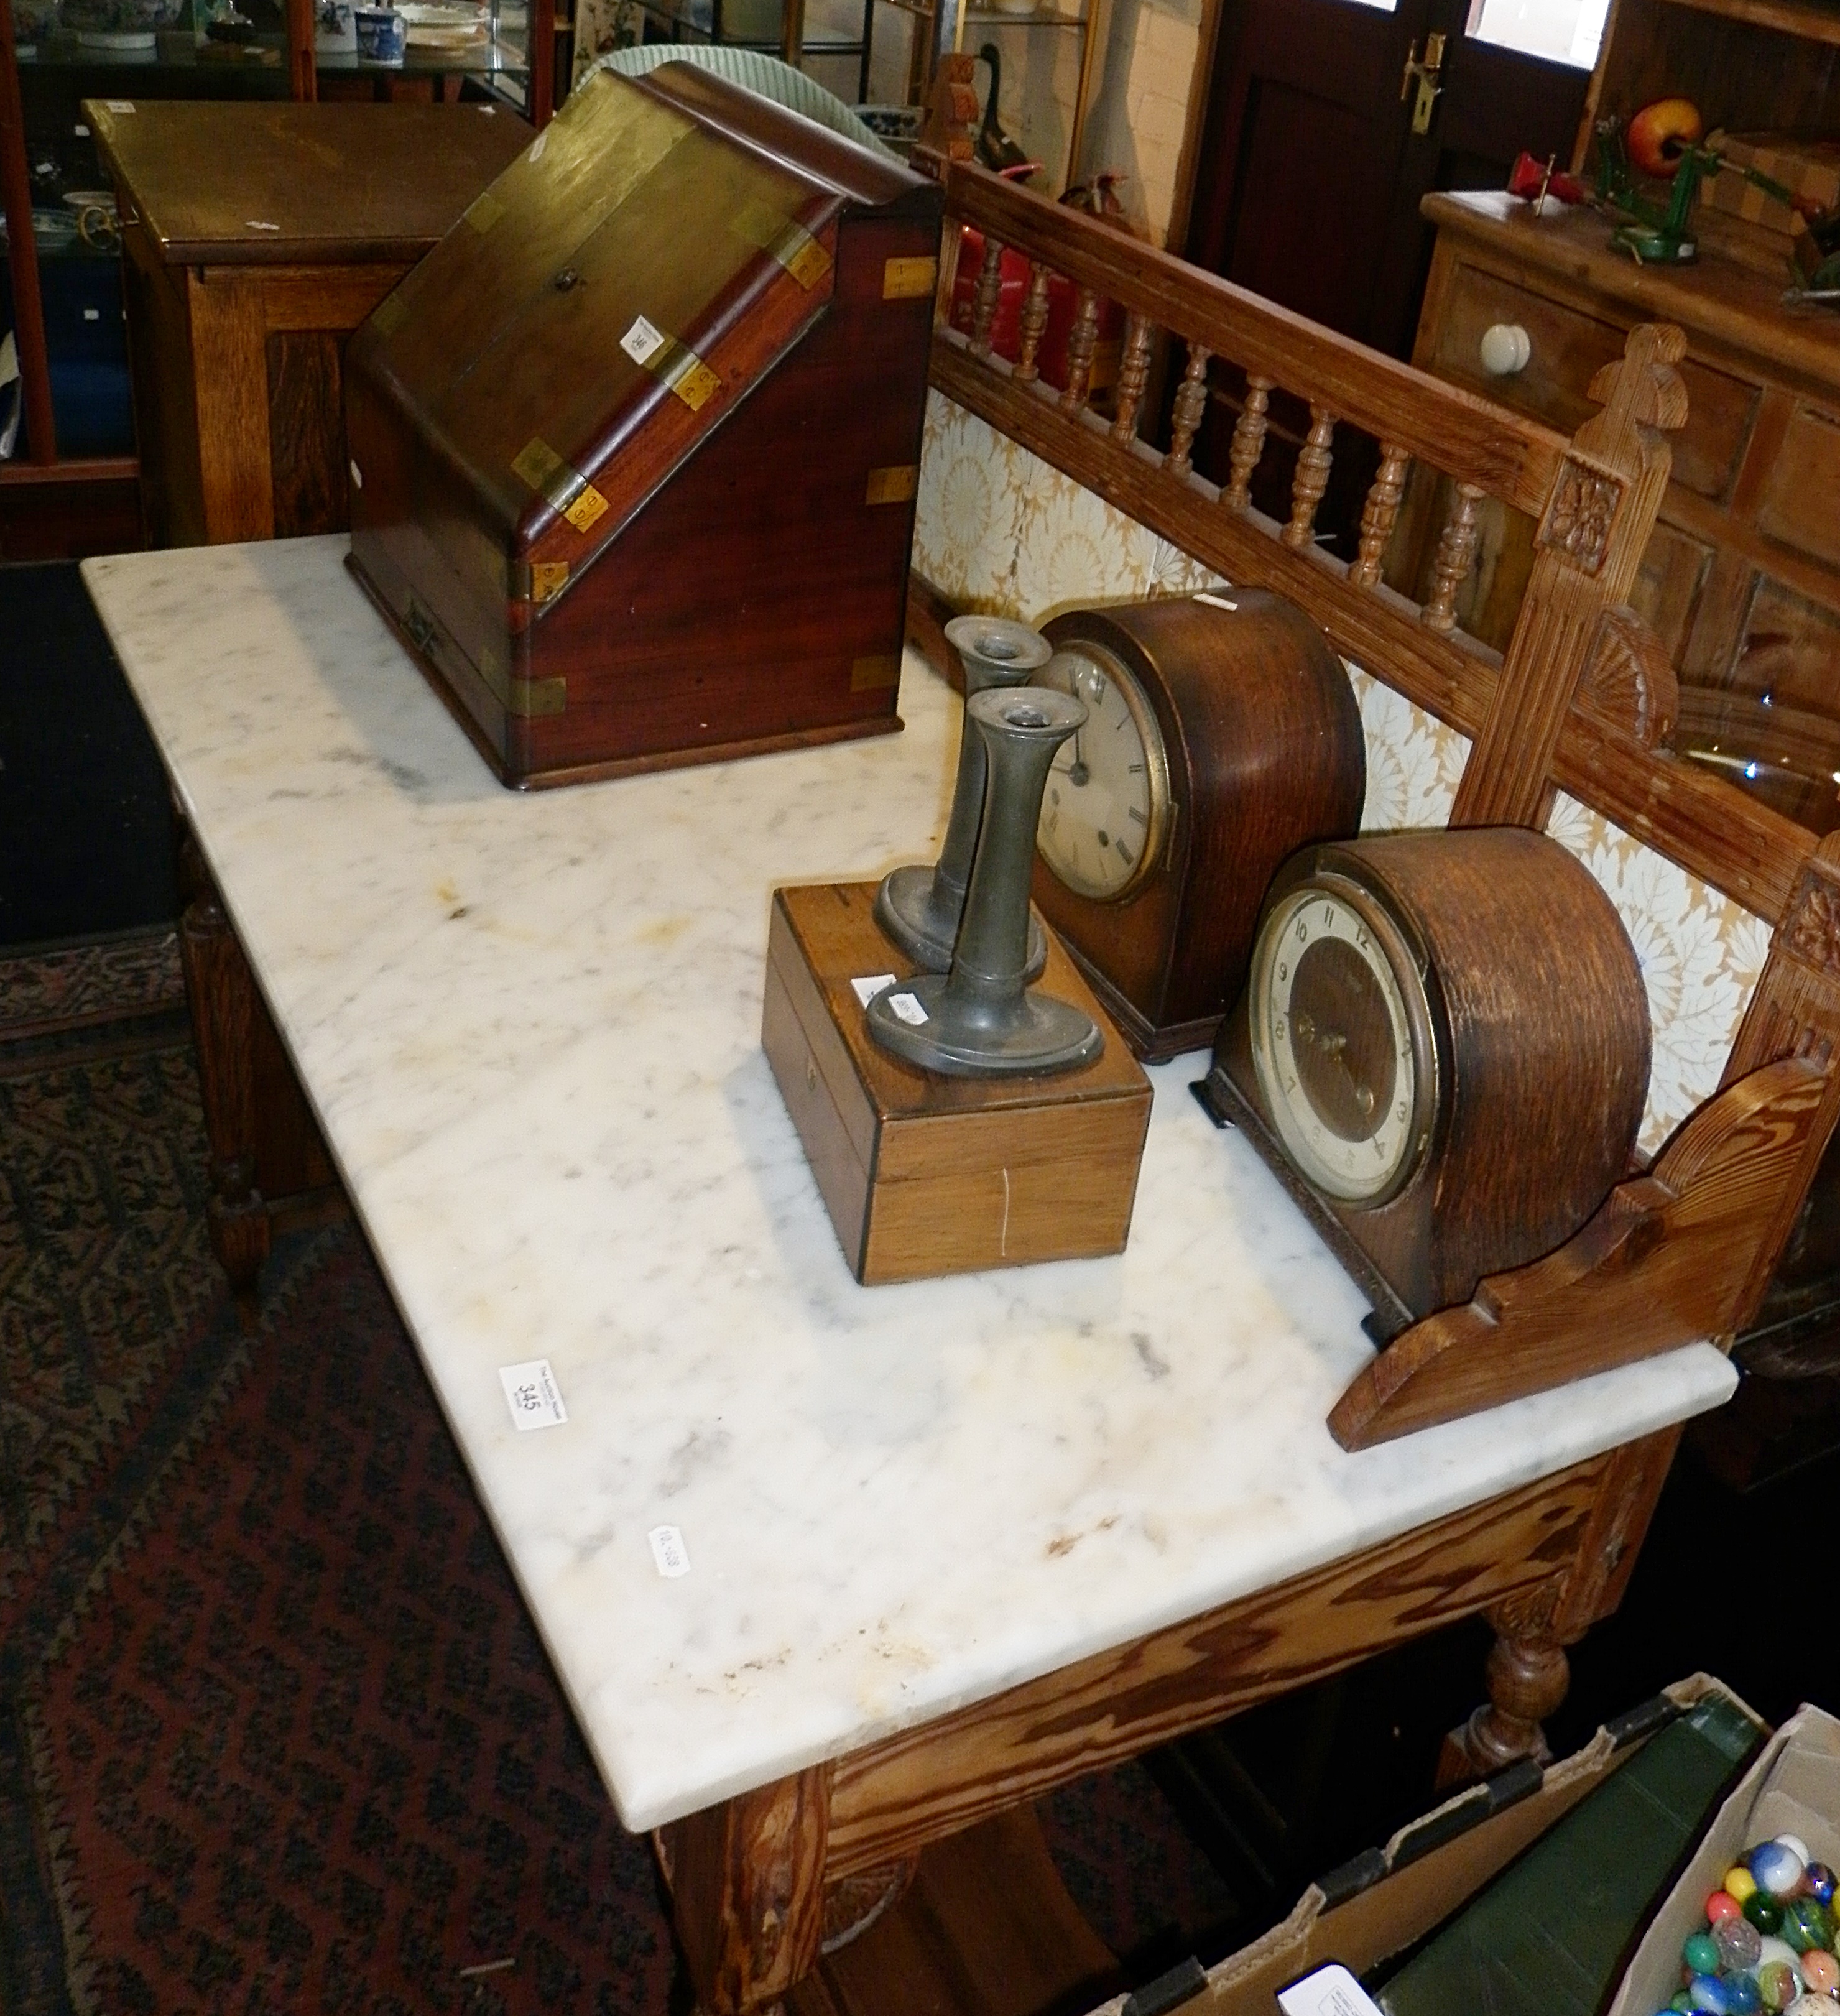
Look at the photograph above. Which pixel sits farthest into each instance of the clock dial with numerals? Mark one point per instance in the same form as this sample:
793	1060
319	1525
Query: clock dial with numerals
1105	810
1340	1034
1222	733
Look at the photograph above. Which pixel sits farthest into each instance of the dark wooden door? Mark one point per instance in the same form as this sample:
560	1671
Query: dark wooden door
1311	169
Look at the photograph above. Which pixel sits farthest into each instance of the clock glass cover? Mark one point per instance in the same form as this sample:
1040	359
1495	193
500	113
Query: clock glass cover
1105	810
1342	1042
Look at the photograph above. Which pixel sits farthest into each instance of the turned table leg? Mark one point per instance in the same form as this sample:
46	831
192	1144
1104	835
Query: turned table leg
221	991
1527	1672
747	1891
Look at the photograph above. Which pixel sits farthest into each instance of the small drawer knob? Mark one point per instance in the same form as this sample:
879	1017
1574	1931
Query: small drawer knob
1505	349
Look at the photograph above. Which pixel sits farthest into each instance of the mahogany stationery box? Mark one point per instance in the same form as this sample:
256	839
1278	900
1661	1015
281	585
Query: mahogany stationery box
635	448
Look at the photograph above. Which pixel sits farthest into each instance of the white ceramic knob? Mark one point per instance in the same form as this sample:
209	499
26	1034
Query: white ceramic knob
1505	349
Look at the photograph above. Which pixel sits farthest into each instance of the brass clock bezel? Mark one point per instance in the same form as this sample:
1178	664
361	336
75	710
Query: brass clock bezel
1409	976
1142	710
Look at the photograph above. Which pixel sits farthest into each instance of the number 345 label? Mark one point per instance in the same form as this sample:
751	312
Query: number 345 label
533	1395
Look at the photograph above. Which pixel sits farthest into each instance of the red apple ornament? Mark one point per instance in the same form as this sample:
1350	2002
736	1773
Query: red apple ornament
1661	133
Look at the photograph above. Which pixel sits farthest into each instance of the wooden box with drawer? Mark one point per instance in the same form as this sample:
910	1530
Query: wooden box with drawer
637	446
1741	579
256	237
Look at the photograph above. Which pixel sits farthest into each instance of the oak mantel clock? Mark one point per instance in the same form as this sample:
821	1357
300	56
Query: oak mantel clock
1223	735
1443	1048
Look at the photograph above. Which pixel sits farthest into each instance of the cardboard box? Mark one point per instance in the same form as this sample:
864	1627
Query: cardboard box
1793	1787
1377	1907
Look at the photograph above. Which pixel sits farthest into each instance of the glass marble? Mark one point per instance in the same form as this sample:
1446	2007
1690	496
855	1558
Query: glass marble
1703	1954
1796	1846
1821	1881
1739	1883
1820	1971
1777	1867
1778	1984
1738	1943
1742	1993
1775	1948
1806	1924
1708	1993
1764	1911
1721	1906
1811	2005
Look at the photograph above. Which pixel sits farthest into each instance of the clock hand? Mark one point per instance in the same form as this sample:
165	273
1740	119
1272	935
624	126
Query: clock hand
1336	1047
1332	1043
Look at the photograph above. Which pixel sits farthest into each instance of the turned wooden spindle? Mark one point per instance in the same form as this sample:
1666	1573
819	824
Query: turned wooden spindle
1456	552
1248	443
1185	413
1133	377
1311	480
1082	341
1035	319
984	302
1377	514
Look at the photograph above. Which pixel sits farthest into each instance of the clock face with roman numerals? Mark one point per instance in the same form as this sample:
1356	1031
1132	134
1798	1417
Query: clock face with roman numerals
1105	814
1341	1040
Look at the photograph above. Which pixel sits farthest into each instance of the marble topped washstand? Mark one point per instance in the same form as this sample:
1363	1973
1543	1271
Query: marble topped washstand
827	1571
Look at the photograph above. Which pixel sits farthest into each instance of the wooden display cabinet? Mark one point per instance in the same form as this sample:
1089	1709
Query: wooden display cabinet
1741	578
256	237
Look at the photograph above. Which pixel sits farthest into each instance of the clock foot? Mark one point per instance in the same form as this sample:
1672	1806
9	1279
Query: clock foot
1205	1097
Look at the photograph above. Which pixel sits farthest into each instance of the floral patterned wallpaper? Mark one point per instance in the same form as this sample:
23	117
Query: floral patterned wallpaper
1700	953
998	529
1414	761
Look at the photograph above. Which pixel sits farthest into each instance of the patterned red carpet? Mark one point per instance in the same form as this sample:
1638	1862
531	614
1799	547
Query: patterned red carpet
275	1731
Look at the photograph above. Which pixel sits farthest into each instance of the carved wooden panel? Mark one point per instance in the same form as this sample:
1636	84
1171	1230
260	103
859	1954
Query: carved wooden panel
893	1797
1582	514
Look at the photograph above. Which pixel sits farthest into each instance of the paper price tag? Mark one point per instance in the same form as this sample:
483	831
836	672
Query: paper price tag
870	985
1330	1991
668	1551
532	1394
117	105
909	1009
642	343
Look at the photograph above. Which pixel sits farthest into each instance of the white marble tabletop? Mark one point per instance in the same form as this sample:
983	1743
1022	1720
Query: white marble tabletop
530	1026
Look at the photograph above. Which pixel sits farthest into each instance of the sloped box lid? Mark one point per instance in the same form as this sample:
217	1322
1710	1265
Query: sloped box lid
604	305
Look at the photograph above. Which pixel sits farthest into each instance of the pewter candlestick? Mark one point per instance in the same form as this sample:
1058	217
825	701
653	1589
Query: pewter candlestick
982	1019
920	908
